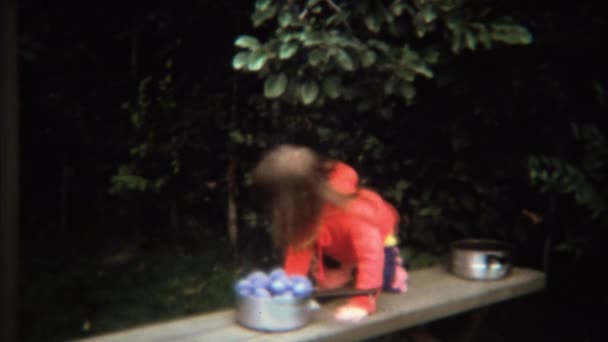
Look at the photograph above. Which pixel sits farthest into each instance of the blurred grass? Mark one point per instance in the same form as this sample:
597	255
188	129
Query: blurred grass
66	299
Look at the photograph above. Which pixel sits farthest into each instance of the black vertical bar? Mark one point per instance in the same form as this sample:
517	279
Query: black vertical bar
9	170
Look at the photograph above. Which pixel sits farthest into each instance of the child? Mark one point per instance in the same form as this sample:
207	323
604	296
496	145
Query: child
318	211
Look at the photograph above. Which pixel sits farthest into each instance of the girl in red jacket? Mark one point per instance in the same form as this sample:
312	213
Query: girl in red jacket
320	213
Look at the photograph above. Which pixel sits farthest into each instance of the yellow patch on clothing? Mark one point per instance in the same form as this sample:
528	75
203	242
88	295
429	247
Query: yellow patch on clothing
391	241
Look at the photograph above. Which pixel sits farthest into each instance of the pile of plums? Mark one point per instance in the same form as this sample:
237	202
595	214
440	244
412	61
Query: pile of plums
276	284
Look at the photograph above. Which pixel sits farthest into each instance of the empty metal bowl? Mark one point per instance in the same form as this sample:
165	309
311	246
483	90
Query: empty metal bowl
479	259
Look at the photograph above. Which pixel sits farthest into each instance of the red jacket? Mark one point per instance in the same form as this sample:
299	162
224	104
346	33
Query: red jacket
351	234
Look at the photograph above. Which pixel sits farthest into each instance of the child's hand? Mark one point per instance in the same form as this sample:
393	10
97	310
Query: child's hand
350	313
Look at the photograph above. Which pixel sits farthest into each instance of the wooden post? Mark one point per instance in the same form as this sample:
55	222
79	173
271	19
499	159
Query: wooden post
9	171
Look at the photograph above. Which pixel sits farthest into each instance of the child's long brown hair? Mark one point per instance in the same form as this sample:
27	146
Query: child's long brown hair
293	182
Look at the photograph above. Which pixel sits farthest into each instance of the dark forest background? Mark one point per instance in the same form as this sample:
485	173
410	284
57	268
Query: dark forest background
141	122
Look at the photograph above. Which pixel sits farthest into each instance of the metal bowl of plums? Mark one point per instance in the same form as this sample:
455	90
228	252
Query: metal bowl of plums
273	302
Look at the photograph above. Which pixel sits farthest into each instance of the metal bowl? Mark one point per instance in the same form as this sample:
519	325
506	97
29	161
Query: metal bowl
479	259
272	314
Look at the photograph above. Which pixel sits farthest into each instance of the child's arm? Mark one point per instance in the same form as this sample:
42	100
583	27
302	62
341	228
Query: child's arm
369	248
297	261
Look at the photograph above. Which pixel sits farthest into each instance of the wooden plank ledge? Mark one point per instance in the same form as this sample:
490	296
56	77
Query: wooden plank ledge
433	294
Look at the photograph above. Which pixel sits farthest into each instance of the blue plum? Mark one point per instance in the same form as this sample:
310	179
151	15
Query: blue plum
244	292
301	286
277	273
279	285
259	279
243	284
302	289
243	287
261	292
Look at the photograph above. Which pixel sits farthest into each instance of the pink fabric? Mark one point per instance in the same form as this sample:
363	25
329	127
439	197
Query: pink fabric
352	234
400	281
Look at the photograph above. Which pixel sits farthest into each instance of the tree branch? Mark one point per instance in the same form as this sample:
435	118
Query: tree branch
329	3
333	6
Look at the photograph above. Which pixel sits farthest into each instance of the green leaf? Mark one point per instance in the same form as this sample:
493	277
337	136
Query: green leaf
337	18
285	18
344	60
399	190
259	17
456	43
469	39
389	87
422	69
428	14
332	86
397	7
447	6
342	41
257	60
323	132
140	151
368	58
407	91
429	211
237	137
287	50
316	56
456	28
247	42
431	56
240	60
288	36
421	31
310	38
371	142
403	185
262	5
311	3
380	45
275	85
511	34
365	105
309	91
483	36
372	22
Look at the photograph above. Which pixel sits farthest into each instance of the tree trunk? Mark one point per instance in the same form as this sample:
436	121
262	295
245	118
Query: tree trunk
174	221
232	217
64	190
9	171
275	108
134	57
233	228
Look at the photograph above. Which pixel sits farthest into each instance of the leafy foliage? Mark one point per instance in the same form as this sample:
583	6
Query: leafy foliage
585	180
151	105
365	51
